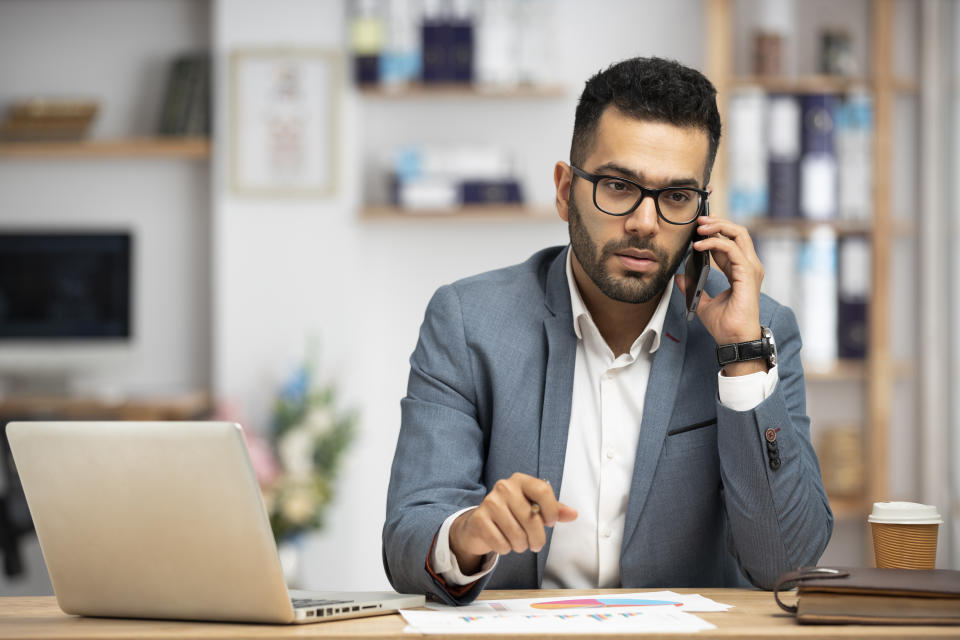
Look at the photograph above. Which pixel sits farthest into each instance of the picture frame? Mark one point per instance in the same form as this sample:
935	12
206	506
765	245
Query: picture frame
284	106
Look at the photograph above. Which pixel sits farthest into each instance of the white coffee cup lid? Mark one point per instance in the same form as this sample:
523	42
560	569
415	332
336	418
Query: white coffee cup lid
904	513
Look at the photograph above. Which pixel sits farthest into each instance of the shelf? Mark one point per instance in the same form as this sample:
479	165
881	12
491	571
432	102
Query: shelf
842	370
906	85
518	213
853	370
180	406
187	148
421	91
900	227
819	84
803	84
803	226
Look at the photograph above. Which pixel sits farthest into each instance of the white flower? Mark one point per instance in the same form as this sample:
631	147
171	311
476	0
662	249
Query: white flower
295	449
298	505
319	420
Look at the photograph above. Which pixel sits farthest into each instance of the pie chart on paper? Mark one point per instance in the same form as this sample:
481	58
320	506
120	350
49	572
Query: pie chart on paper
601	603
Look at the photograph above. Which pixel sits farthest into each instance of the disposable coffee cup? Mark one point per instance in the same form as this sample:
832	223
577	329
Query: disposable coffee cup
905	534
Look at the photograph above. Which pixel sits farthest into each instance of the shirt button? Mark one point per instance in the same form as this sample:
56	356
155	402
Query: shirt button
610	454
606	533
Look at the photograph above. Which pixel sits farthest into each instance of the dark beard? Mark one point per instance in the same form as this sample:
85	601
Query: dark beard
634	287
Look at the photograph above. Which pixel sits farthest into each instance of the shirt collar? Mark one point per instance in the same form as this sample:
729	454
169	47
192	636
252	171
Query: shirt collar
654	327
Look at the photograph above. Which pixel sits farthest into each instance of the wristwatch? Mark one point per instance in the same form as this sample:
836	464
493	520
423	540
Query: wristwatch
765	347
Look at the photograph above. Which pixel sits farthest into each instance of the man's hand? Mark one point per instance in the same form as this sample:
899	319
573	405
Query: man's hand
734	314
507	520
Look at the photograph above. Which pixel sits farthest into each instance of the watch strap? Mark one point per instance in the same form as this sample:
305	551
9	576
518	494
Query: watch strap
739	352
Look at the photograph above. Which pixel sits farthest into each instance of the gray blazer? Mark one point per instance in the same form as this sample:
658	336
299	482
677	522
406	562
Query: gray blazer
489	394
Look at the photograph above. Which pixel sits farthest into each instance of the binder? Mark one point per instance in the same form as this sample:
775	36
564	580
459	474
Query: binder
854	143
783	140
818	162
817	312
853	292
748	155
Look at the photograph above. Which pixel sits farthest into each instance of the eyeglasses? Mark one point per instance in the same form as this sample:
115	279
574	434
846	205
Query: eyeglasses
619	197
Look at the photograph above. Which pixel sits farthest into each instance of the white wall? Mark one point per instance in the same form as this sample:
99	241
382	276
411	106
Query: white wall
286	270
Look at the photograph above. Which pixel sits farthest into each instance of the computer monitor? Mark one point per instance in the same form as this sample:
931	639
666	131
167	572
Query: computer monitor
65	302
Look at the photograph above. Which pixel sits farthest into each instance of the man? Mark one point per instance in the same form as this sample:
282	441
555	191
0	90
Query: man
566	426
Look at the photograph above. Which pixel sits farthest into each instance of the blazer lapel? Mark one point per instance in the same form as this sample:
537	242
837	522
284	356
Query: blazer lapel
657	408
558	385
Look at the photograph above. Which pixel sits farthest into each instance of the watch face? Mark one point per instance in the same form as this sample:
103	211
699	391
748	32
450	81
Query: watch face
769	345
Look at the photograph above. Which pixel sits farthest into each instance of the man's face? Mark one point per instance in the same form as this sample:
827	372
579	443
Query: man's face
632	258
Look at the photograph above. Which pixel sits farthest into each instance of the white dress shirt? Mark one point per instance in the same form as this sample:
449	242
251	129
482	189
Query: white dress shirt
605	415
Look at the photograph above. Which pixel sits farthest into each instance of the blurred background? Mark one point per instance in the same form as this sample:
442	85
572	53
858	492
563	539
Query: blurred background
239	209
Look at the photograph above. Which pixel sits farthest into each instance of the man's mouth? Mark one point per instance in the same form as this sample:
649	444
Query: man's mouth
637	259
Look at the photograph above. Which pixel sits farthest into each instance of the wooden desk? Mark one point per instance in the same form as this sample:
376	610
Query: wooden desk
755	615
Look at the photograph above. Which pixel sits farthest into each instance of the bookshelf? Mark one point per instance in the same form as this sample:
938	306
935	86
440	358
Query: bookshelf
899	227
819	84
142	147
848	369
878	374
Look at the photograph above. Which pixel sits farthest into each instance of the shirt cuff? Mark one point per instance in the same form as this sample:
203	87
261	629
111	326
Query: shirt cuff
444	563
743	393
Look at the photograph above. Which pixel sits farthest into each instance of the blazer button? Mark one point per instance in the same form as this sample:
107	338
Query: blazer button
770	435
775	463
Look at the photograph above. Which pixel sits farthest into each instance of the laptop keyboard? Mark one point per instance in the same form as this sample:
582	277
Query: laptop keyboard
310	602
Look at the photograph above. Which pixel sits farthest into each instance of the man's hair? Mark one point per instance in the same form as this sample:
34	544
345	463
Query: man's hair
651	89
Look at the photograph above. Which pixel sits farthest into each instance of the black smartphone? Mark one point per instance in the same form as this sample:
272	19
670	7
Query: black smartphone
697	270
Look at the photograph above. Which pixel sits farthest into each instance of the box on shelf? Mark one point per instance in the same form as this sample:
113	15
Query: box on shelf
48	119
434	177
492	43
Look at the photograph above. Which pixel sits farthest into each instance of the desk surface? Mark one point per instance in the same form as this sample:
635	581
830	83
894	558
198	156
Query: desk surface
755	615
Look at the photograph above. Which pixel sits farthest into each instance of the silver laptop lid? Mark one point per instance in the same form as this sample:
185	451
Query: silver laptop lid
151	520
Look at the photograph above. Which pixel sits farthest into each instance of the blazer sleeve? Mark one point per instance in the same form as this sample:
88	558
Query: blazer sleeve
438	464
778	514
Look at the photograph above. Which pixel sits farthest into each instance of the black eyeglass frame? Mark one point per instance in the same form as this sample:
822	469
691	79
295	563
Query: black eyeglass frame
644	192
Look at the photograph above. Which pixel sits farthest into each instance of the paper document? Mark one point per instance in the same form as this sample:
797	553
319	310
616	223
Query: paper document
649	612
690	602
657	619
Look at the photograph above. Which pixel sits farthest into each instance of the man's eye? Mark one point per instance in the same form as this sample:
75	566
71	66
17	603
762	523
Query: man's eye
678	197
618	186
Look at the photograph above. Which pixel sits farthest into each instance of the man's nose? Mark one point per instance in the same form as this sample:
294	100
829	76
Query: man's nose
644	220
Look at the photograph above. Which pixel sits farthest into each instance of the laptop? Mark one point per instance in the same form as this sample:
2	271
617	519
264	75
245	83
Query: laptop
163	520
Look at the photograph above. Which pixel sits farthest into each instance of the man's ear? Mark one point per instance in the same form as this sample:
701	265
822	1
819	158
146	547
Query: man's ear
562	176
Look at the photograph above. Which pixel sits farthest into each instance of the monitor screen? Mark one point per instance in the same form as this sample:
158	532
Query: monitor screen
64	285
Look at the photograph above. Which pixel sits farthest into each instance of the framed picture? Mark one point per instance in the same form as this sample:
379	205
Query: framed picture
283	122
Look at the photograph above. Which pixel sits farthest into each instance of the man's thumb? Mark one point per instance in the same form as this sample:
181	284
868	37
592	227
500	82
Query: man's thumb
566	514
